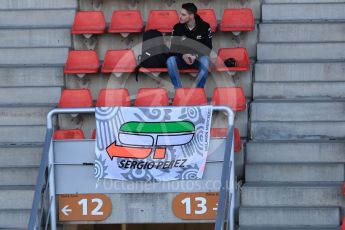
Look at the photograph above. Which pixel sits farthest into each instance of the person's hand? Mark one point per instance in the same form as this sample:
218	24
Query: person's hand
189	59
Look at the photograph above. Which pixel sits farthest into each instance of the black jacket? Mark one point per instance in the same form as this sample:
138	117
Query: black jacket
196	41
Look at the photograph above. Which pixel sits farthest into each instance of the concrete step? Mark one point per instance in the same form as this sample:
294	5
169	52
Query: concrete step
16	197
298	130
32	76
292	195
37	18
303	1
289	228
29	95
302	32
299	90
303	12
35	38
297	111
295	152
14	219
22	134
37	4
301	51
29	155
299	72
24	115
21	175
33	56
294	172
220	40
289	216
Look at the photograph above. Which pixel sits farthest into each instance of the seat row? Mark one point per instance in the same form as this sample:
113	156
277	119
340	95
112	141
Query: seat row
78	134
232	97
130	21
124	61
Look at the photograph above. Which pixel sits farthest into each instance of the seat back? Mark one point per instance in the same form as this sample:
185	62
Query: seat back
119	61
113	97
189	97
75	98
152	97
89	22
126	21
237	20
162	20
232	97
68	134
81	61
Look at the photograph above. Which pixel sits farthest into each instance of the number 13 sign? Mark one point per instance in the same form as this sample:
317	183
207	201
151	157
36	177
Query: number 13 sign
196	206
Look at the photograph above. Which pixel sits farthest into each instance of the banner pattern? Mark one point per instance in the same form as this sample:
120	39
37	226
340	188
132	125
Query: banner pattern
153	143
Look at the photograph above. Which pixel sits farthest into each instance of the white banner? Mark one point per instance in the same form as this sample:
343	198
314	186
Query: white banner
152	144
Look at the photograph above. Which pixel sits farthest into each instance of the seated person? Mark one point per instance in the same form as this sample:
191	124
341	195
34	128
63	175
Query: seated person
191	46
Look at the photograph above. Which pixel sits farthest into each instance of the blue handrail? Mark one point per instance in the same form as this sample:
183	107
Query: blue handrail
41	183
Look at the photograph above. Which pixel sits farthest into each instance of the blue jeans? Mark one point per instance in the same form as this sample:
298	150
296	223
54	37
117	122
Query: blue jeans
175	63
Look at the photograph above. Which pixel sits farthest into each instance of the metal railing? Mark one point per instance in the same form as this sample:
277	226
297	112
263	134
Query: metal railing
43	212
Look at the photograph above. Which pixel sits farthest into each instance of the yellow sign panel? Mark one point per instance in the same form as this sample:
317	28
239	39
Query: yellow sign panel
84	207
196	206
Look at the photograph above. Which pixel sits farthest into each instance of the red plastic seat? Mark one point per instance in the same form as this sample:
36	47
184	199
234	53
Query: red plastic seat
93	136
209	16
223	132
237	20
239	54
68	134
81	61
113	97
89	22
162	20
75	98
152	97
232	97
189	97
119	61
126	21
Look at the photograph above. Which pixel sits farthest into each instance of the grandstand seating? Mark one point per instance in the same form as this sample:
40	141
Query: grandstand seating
81	62
152	97
89	22
113	97
232	97
119	61
239	54
189	97
126	21
209	16
75	98
68	134
162	20
237	20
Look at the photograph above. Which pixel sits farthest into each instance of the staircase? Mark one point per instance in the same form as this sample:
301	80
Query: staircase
295	161
34	41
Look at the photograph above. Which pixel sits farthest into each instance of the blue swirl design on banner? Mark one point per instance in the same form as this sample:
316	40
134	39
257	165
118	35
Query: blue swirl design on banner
193	154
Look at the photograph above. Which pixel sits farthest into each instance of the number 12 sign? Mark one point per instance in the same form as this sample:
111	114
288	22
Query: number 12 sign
196	206
86	207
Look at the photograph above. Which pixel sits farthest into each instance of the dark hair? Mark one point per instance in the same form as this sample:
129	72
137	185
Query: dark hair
190	7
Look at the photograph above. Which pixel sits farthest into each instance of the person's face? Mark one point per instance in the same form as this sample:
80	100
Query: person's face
185	16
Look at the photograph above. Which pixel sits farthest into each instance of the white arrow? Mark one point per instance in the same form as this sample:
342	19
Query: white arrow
65	210
216	208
